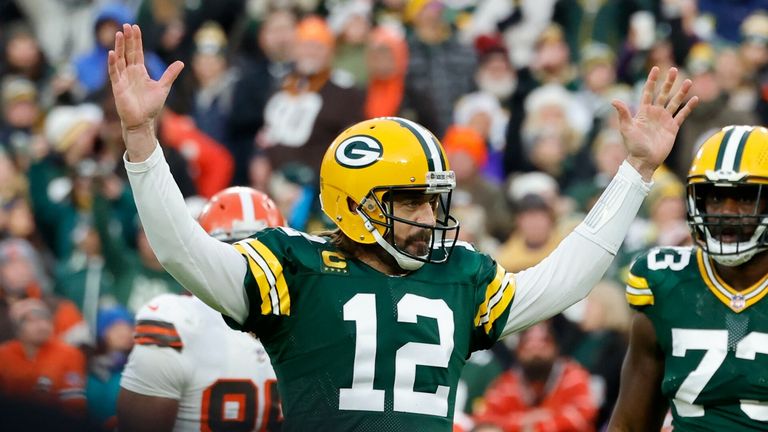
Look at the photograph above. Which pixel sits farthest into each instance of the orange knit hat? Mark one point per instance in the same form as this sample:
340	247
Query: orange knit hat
467	140
315	29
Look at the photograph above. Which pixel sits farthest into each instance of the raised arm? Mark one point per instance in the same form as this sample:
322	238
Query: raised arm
212	270
579	262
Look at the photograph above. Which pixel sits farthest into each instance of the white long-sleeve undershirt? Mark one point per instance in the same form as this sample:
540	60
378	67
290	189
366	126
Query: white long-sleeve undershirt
211	269
578	263
214	271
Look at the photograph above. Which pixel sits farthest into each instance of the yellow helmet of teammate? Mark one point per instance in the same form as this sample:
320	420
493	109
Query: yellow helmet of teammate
731	164
371	161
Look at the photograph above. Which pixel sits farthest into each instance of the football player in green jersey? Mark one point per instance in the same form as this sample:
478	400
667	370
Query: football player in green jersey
368	328
700	341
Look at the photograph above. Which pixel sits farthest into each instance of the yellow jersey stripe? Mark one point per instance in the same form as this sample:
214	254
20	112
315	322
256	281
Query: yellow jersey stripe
637	281
724	292
710	271
268	273
490	290
639	300
755	299
509	286
277	270
260	278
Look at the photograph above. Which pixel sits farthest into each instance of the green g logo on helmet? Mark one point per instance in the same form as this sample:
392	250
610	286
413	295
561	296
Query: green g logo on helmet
359	180
358	151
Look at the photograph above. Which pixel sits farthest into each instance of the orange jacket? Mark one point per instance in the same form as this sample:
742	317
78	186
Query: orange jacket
567	405
67	321
211	166
56	375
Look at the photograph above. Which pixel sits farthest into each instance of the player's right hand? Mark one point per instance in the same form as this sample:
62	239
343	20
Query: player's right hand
138	97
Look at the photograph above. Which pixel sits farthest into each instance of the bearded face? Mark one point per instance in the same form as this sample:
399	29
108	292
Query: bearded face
496	76
537	352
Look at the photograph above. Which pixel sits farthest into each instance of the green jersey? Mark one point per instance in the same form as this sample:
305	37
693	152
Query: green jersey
355	349
715	340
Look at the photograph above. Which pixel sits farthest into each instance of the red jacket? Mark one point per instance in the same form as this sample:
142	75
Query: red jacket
567	405
211	166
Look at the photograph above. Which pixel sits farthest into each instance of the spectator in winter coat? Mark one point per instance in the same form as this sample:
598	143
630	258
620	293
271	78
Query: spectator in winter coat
91	68
38	367
544	392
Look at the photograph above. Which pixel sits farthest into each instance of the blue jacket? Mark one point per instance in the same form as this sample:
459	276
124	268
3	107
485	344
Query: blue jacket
91	68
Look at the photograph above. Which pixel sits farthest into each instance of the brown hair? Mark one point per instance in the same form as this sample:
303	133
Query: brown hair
342	242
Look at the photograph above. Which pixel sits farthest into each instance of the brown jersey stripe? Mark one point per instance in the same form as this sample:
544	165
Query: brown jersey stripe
156	330
163	324
161	342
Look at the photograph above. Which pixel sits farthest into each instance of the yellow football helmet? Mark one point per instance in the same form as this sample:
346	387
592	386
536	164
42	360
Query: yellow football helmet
369	161
732	163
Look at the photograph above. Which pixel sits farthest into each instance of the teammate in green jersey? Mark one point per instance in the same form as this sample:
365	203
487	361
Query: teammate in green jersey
368	328
700	343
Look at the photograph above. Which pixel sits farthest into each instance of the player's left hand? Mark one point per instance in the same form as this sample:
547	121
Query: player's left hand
650	134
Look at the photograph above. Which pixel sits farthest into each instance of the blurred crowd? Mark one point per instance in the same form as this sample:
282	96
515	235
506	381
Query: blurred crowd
519	92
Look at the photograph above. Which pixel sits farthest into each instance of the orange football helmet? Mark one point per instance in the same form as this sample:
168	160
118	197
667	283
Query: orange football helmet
238	212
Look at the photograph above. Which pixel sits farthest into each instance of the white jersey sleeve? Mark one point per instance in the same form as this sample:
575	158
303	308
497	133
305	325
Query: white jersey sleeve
570	272
212	270
156	366
155	371
220	376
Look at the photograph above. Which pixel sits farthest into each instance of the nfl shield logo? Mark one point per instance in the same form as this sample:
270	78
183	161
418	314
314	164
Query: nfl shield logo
737	302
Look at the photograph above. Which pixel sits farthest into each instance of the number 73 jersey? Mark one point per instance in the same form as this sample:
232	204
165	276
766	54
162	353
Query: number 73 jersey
714	338
355	349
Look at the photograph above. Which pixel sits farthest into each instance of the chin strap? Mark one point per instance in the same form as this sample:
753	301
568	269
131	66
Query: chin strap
404	261
734	260
731	258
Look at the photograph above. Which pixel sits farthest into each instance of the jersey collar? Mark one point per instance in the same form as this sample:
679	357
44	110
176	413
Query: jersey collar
737	301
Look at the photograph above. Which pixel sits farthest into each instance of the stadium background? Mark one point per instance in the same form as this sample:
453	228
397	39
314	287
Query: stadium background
518	91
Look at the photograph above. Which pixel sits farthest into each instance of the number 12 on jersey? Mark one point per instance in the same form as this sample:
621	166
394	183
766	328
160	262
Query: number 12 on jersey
362	396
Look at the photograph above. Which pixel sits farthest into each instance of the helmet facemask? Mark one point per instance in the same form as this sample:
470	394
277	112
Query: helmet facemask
731	239
379	216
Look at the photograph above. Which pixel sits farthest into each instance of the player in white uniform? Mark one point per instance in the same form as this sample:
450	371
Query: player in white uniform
188	370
